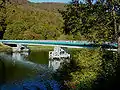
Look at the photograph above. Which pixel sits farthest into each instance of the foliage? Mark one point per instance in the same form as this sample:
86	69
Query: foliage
110	63
89	68
95	22
88	63
28	22
48	6
65	37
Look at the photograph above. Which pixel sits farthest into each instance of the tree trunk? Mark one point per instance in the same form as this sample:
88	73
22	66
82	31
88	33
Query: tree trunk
115	24
119	45
119	40
1	34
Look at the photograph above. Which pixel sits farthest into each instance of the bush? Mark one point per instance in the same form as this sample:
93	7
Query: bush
88	68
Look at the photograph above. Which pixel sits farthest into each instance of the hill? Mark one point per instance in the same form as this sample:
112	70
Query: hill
48	6
33	21
18	1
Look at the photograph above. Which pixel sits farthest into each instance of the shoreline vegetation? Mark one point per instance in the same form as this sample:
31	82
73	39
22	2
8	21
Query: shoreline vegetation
36	48
5	48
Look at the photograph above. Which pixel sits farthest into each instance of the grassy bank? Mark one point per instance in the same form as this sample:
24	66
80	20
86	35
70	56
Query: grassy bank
4	48
35	48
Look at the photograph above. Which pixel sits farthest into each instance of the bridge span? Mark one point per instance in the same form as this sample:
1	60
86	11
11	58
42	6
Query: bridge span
62	43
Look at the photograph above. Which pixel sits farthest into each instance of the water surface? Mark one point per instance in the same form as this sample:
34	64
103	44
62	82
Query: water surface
20	66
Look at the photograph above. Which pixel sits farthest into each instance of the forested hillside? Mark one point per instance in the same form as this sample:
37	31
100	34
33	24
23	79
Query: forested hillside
52	7
32	21
18	1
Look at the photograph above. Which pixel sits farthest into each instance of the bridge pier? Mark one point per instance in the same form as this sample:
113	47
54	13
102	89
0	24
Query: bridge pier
17	47
58	53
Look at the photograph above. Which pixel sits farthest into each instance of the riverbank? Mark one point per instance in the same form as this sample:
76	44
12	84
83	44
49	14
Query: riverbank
4	48
37	48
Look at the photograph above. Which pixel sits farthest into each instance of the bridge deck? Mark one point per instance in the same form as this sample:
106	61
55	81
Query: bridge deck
61	42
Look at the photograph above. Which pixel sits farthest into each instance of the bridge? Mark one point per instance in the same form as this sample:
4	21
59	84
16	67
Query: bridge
62	43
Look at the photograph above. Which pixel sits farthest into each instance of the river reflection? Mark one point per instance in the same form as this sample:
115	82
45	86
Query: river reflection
55	64
18	66
20	56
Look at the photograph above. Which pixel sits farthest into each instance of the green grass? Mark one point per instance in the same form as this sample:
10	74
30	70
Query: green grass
34	48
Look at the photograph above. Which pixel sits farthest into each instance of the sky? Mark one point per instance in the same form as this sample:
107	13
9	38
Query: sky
62	1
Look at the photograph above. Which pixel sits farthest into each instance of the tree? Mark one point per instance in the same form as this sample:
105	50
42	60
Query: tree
71	17
94	21
2	18
114	10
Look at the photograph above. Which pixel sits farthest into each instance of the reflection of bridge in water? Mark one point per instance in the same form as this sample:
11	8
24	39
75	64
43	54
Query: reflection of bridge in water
45	70
21	58
57	63
53	64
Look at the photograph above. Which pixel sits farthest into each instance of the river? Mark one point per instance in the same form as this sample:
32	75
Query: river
28	66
